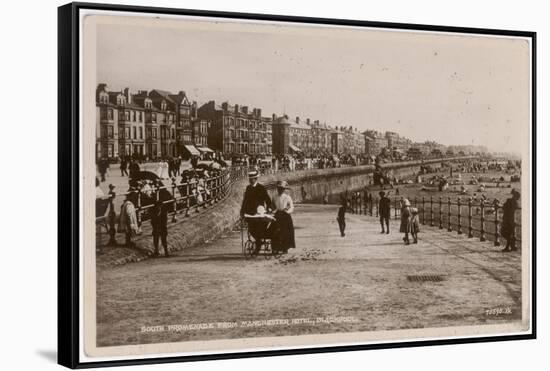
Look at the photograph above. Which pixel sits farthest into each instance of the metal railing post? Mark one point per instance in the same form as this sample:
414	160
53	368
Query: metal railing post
187	198
431	211
470	230
138	211
496	206
459	216
174	203
449	227
440	212
482	227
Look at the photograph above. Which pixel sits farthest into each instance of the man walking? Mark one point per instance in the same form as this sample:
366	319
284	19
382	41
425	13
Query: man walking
123	166
102	167
384	207
255	195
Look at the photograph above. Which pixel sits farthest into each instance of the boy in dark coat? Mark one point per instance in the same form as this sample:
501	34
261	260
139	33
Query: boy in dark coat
341	218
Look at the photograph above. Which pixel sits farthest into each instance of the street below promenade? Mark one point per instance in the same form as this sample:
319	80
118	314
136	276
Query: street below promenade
327	284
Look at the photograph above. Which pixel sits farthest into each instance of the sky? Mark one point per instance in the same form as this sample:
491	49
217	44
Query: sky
454	89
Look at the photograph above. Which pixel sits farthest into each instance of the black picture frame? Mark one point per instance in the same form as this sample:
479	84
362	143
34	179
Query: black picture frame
68	187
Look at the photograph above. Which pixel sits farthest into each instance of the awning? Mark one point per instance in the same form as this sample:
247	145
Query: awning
294	148
205	149
192	150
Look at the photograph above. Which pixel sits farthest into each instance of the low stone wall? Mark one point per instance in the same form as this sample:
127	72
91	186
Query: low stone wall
220	218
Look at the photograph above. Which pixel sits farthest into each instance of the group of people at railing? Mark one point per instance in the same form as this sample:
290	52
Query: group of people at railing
149	198
435	211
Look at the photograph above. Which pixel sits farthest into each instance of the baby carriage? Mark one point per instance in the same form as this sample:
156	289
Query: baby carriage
265	227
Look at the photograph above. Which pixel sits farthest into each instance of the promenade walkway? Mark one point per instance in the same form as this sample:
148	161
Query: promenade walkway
365	276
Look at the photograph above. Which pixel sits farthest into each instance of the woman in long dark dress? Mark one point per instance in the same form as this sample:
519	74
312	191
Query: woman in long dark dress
283	205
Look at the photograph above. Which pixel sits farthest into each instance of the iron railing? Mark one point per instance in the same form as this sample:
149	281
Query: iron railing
466	215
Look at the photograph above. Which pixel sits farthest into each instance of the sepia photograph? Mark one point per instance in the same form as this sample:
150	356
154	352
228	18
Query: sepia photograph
276	185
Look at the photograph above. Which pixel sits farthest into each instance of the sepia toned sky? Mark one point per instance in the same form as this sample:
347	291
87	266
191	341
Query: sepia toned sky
454	89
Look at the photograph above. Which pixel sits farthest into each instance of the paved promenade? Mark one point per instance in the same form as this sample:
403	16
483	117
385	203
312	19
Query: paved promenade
361	278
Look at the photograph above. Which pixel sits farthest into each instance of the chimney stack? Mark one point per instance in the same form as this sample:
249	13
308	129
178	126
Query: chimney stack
128	95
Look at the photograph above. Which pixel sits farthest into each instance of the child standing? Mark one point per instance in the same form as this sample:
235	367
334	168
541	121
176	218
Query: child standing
415	224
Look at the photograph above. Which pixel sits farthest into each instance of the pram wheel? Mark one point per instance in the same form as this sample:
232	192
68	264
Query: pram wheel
266	244
248	249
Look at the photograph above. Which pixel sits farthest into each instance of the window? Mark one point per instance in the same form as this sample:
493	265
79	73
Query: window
127	115
153	117
110	132
127	133
134	132
140	133
134	116
154	134
172	133
110	114
149	133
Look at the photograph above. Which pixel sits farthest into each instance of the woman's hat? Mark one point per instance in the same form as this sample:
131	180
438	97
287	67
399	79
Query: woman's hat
111	186
382	193
282	184
406	202
253	174
260	210
515	192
